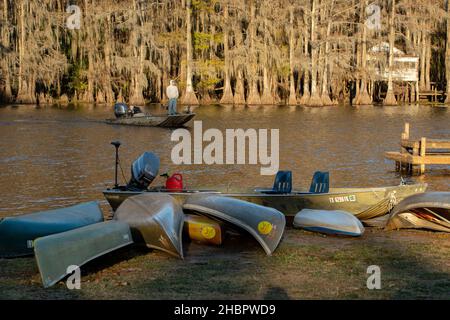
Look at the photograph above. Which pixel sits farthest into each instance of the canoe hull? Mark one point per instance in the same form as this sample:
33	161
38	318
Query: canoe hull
265	224
364	203
18	233
331	222
156	220
55	253
165	121
422	211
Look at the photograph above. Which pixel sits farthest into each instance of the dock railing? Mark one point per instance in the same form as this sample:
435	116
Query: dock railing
414	154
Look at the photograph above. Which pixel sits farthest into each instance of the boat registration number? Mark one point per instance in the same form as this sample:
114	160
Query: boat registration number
350	198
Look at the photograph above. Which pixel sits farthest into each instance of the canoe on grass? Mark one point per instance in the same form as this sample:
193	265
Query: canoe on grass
18	233
55	253
266	225
422	211
331	222
155	219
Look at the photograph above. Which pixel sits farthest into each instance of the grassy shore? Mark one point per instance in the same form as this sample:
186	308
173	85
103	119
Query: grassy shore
414	264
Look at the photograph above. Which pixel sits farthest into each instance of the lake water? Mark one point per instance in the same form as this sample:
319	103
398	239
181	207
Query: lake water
52	157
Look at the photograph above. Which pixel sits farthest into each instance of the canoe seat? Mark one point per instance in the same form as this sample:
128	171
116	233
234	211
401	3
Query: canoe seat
320	182
281	185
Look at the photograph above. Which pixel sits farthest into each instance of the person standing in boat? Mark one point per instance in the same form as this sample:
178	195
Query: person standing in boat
172	94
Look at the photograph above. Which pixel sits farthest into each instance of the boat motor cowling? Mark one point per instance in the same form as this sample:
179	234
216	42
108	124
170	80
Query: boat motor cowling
144	170
121	110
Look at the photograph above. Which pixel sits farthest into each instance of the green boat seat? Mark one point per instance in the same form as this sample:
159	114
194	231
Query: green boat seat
281	185
320	182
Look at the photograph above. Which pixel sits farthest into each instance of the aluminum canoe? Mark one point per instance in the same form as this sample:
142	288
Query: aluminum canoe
56	253
155	219
331	222
429	210
18	233
265	224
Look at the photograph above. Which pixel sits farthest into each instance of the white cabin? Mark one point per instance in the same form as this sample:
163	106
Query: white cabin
406	67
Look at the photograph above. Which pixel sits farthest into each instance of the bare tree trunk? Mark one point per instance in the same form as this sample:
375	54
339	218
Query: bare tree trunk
5	90
315	100
390	99
23	94
325	92
292	94
306	81
189	97
447	54
253	96
239	94
108	92
363	98
227	97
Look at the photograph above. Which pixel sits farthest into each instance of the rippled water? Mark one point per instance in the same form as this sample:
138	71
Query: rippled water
51	157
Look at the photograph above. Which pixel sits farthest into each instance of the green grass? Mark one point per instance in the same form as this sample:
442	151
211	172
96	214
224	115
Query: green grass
414	265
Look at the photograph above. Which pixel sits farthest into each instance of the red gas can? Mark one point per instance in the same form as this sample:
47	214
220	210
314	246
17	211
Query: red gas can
175	182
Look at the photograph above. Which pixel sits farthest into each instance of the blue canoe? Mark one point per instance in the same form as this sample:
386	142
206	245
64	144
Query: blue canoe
17	234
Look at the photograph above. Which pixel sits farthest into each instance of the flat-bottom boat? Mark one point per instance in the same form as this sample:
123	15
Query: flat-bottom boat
364	203
167	121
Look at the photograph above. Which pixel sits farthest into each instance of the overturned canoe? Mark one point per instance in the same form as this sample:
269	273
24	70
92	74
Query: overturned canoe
331	222
266	225
18	233
203	229
422	211
167	121
155	219
56	253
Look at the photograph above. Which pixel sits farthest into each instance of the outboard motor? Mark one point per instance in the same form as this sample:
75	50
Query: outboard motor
121	110
143	171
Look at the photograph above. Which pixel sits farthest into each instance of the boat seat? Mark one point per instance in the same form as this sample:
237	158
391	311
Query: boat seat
281	185
320	182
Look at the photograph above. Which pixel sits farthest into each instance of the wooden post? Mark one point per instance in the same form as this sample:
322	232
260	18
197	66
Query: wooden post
423	149
406	130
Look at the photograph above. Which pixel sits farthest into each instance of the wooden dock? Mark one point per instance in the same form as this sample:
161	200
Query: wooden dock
414	155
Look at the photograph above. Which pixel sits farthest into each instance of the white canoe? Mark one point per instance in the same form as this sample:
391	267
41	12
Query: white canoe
327	221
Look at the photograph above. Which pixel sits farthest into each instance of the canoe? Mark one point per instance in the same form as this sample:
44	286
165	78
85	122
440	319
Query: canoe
167	121
18	233
429	210
156	220
331	222
203	230
55	253
365	203
266	225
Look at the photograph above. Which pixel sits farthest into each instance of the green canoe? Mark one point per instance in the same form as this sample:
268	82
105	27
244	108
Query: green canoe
266	225
55	253
155	219
365	203
18	233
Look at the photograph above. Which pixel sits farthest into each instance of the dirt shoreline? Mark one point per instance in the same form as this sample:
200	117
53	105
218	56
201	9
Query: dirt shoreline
414	265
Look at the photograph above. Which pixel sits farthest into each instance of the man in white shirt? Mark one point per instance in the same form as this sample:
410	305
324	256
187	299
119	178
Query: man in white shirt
172	94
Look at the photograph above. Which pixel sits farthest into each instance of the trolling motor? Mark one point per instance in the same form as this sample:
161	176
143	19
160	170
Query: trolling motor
116	144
